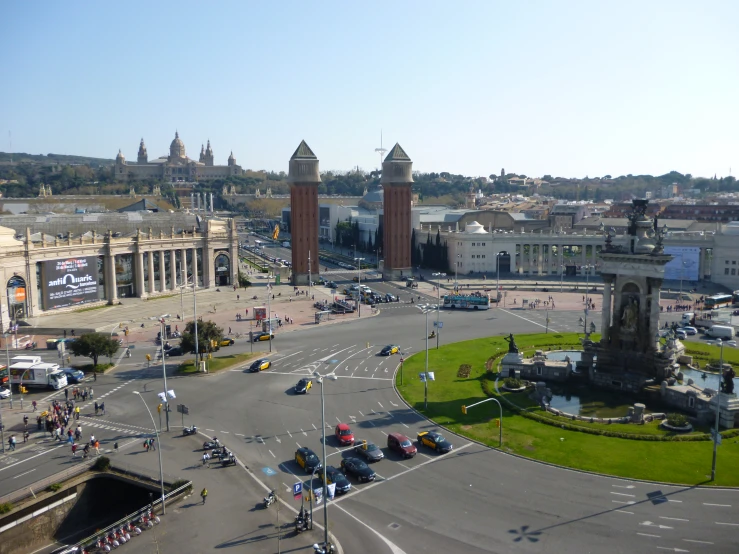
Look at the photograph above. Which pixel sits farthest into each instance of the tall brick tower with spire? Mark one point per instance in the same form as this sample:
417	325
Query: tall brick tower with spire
304	179
397	178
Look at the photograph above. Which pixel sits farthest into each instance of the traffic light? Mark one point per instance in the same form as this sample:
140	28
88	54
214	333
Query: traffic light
464	410
148	357
364	444
159	408
497	422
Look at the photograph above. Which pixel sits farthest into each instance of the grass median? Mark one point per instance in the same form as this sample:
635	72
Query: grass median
218	363
669	461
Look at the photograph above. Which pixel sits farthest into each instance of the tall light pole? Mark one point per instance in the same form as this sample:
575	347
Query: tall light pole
426	311
164	376
7	361
310	278
320	379
438	302
359	284
718	411
159	449
497	277
587	269
195	321
456	266
561	275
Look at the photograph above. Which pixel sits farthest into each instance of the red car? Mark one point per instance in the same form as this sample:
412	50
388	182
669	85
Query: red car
401	444
344	435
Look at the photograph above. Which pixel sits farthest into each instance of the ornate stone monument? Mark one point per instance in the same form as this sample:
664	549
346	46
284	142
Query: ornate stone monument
629	354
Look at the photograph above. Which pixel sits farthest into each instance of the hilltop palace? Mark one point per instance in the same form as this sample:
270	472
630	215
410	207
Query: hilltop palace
176	167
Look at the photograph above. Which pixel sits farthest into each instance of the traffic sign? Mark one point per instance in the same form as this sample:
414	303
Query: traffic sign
182	409
440	325
297	490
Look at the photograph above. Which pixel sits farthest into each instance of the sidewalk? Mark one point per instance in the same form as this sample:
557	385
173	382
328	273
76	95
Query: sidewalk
233	515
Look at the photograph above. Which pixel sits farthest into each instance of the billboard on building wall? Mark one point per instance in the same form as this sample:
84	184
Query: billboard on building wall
69	282
685	263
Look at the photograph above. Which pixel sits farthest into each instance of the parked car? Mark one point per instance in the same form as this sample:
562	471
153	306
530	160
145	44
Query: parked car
434	441
307	459
680	334
401	444
344	434
368	450
358	468
333	475
176	351
4	393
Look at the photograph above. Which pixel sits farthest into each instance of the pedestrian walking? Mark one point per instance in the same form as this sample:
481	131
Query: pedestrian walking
206	457
77	413
78	433
11	442
92	440
96	408
151	444
146	445
204	494
97	448
34	405
94	375
229	330
86	451
74	449
102	407
26	435
66	394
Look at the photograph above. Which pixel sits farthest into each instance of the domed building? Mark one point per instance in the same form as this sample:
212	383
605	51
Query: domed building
372	200
176	167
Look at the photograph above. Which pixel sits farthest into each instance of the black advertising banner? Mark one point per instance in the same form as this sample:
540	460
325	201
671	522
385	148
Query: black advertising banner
71	281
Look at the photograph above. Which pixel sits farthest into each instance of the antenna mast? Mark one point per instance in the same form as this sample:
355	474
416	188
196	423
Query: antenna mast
381	150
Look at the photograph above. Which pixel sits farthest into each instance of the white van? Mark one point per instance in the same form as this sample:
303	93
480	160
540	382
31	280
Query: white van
724	332
687	318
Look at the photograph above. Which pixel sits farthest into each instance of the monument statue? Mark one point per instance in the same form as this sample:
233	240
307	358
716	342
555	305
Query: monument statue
727	384
630	315
512	347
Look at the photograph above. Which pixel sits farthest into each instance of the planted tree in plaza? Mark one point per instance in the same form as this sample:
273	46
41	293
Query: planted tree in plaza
94	345
207	331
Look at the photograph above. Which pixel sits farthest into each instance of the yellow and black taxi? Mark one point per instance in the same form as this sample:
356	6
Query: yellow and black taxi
225	341
435	441
264	335
303	386
260	365
333	475
360	470
307	459
390	349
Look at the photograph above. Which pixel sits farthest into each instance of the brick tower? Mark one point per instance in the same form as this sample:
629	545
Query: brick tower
397	178
304	180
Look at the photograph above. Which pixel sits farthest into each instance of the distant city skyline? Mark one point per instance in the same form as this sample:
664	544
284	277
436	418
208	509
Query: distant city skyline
567	89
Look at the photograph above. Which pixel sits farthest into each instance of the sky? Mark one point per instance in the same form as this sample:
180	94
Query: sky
562	88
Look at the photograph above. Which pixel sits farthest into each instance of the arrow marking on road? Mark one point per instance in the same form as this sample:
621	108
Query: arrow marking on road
306	434
673	518
650	524
623	486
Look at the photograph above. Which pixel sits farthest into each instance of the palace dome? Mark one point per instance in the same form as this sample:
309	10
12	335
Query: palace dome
177	148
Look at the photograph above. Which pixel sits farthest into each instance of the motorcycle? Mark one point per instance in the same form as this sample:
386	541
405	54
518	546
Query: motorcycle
323	549
31	346
122	536
211	444
270	499
102	545
192	430
176	335
302	523
145	522
432	335
132	528
112	540
230	460
128	352
218	452
152	516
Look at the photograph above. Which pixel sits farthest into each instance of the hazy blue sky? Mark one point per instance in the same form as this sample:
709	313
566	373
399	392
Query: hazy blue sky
565	88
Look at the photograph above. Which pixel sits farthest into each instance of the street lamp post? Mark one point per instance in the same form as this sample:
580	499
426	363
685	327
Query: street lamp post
269	311
718	411
456	266
426	371
7	361
497	278
438	303
359	284
561	276
587	269
164	376
320	379
159	449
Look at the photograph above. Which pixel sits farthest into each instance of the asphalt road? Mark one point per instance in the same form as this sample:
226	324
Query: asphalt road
471	500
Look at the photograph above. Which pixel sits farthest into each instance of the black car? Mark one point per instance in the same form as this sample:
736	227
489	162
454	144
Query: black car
176	351
307	459
368	450
303	386
358	468
332	285
333	475
390	298
435	441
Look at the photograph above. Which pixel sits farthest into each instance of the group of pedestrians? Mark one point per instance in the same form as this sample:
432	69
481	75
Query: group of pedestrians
79	394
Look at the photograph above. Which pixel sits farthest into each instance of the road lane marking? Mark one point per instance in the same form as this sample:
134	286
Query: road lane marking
26	473
225	432
314	427
239	434
623	502
289	433
648	535
697	542
718	505
211	430
381	406
623	494
730	524
673	518
306	434
650	524
286	357
271	453
624	512
623	486
672	549
360	413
